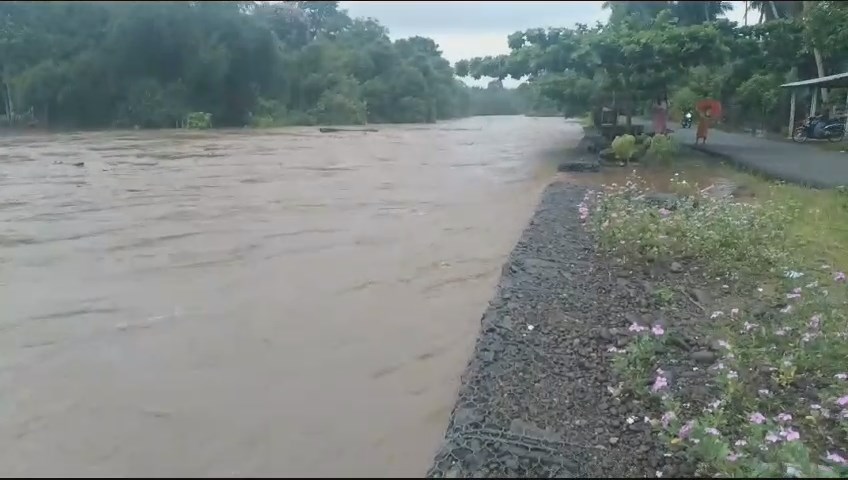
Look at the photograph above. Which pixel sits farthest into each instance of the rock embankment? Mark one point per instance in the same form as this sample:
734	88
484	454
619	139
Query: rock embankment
539	397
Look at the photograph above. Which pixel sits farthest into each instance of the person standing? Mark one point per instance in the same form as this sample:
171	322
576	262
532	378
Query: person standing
704	119
660	115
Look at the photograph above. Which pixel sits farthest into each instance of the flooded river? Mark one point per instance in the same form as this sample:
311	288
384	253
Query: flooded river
240	303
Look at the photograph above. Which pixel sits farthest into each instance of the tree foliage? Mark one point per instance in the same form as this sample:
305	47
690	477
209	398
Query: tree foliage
152	64
681	49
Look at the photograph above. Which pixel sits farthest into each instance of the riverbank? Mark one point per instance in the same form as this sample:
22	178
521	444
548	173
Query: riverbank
696	333
535	400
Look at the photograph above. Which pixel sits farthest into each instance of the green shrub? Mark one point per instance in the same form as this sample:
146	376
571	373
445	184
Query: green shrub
336	109
263	121
624	147
662	149
198	120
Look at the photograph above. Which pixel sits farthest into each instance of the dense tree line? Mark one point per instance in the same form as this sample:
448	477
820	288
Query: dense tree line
685	50
161	64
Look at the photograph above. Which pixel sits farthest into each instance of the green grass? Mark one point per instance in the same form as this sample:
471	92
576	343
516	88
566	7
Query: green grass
778	392
820	230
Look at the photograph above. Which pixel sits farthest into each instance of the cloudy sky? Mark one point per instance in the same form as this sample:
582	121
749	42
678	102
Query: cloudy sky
474	29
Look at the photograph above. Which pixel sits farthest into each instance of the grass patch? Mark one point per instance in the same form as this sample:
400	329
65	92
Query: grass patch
820	228
774	399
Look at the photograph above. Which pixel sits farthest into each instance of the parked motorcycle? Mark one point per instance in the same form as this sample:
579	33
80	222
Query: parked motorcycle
687	120
833	131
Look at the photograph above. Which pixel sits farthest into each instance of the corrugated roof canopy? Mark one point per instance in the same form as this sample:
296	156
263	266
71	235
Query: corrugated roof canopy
838	80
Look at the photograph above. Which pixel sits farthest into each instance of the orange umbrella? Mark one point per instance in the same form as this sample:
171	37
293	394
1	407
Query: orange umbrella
714	106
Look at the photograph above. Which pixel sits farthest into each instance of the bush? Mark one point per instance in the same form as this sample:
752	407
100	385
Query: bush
336	109
624	147
198	120
263	121
662	149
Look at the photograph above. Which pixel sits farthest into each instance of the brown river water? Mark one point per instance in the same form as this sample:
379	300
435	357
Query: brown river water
251	303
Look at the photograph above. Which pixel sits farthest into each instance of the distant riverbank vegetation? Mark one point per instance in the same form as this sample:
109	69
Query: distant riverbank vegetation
685	51
173	64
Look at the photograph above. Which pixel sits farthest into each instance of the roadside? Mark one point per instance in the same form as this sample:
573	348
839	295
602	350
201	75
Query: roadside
801	164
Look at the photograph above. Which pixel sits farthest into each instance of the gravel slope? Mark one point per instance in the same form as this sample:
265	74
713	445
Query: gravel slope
536	397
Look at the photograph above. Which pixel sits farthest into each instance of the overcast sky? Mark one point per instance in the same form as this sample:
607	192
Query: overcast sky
475	29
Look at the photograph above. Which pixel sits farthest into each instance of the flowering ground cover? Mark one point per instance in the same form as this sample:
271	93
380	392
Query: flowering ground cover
743	364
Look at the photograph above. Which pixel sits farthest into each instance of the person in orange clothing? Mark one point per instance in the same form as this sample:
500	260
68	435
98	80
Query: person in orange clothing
704	121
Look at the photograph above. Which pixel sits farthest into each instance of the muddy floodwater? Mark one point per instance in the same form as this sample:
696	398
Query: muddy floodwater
239	303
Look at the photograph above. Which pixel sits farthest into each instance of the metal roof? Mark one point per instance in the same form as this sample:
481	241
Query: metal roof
838	80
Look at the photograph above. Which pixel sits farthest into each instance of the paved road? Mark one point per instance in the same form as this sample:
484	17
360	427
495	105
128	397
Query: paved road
802	164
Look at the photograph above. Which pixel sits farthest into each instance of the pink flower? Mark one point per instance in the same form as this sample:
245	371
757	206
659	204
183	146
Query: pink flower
712	431
784	417
657	330
667	418
686	429
757	418
659	383
797	290
842	401
839	277
836	458
664	212
635	327
772	438
733	457
792	296
790	435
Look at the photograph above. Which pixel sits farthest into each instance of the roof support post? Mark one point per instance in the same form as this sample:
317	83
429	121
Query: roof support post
845	126
814	101
792	114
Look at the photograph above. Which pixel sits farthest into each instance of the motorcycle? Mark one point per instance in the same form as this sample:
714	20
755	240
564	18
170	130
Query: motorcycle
687	120
833	131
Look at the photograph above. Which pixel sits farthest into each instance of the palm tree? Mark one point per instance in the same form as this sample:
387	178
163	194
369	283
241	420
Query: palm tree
642	12
688	13
771	10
